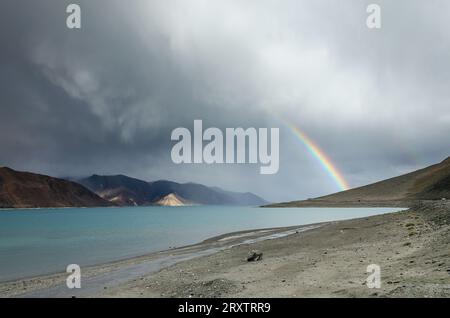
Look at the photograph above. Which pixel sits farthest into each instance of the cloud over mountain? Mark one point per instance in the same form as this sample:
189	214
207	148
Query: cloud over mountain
105	98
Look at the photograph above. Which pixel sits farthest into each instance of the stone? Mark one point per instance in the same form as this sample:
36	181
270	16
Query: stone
254	256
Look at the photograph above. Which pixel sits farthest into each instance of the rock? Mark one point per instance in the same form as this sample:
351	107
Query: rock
254	256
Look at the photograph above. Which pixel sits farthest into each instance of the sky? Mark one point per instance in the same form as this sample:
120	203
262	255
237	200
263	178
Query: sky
104	98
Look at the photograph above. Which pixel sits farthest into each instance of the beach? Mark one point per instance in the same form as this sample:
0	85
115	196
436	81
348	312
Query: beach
329	259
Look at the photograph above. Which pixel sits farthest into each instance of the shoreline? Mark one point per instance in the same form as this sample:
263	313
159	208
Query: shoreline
411	247
53	284
216	267
318	203
13	275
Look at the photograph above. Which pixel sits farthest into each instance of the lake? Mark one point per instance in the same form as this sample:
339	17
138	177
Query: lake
43	241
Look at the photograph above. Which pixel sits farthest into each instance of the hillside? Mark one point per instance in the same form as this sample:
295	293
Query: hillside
30	190
171	200
120	189
125	191
431	183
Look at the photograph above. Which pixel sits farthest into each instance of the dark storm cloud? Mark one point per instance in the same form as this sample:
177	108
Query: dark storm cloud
105	98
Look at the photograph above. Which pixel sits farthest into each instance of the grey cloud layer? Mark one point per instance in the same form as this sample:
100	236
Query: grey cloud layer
104	99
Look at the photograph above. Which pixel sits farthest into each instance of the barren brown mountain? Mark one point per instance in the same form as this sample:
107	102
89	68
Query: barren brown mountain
431	183
30	190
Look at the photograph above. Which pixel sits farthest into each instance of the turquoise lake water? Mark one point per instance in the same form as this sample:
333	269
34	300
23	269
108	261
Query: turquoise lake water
35	242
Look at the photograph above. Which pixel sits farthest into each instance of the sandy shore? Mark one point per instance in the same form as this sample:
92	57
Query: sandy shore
412	249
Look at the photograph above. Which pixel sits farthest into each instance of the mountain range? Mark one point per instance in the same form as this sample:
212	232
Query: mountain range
30	190
123	190
430	183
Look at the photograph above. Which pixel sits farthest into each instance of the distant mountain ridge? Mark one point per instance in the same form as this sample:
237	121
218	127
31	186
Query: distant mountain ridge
124	190
430	183
30	190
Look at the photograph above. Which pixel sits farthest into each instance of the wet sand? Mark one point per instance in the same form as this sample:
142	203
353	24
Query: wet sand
411	247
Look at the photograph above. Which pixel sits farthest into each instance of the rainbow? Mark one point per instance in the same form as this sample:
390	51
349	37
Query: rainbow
315	150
